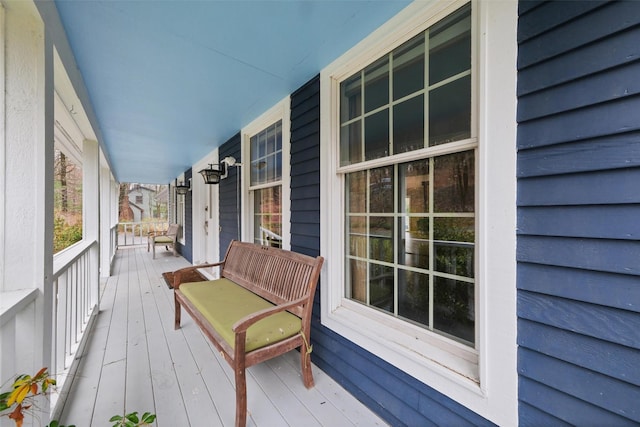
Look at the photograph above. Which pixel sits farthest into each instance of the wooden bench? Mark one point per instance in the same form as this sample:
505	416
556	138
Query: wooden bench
260	308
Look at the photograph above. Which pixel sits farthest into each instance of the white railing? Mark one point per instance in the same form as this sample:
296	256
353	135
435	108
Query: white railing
75	301
136	233
76	288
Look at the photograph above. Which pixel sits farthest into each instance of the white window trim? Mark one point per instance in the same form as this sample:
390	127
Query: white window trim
280	111
180	204
492	389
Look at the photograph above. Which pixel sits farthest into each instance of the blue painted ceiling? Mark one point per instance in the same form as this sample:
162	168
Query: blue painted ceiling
171	80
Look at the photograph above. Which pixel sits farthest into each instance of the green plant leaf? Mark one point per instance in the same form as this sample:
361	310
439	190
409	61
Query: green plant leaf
115	418
133	417
148	418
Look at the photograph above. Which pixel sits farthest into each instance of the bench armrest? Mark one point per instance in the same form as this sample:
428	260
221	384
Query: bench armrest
243	324
177	275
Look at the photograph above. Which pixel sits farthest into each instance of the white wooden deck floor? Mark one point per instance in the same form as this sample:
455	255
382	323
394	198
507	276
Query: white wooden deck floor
136	361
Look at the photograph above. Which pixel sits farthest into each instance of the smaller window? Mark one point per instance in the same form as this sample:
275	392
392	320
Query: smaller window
266	185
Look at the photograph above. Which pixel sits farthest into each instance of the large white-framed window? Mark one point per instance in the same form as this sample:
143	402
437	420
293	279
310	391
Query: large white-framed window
418	200
266	180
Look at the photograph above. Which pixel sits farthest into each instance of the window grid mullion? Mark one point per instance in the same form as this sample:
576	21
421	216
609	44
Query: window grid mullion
431	245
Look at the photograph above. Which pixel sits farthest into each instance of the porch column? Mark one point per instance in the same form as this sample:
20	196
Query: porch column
107	206
26	191
91	211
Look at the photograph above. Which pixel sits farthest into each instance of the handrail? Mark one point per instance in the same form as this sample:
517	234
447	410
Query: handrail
64	259
12	302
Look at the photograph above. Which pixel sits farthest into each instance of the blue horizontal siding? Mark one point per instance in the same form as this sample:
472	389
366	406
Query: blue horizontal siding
530	416
605	289
614	360
578	204
590	122
228	195
594	89
604	323
586	29
614	256
605	153
545	16
601	391
563	409
595	221
617	186
592	58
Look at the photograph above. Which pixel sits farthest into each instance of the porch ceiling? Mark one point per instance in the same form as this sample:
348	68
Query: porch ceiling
169	81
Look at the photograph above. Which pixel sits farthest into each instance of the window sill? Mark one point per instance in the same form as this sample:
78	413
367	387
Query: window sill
419	352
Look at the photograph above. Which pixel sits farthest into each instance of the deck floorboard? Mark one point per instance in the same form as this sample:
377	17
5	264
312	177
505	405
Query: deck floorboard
135	361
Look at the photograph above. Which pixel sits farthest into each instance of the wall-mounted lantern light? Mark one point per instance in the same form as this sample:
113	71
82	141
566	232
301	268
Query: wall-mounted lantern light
214	173
183	188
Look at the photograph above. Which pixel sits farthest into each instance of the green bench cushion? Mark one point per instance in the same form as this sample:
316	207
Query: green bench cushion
223	302
162	239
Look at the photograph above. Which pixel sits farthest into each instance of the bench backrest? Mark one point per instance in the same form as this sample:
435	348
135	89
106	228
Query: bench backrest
275	274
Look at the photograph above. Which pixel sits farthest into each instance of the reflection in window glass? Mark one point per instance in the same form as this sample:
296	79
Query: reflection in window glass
386	106
455	183
376	89
376	131
408	125
450	112
267	217
454	308
410	245
266	155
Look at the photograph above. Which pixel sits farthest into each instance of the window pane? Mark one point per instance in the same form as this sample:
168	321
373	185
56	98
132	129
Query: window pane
454	183
450	46
381	238
381	287
357	285
408	125
381	190
351	98
454	308
376	135
267	219
454	245
408	68
358	236
413	296
450	112
357	191
413	246
414	185
266	155
376	88
351	143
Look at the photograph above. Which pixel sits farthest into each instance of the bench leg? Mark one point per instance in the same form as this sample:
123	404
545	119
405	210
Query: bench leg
305	365
154	251
241	396
178	312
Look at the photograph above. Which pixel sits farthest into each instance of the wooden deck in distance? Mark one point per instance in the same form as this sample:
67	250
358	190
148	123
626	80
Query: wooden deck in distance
135	361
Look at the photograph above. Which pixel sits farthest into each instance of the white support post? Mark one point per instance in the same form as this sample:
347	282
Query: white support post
26	181
91	211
